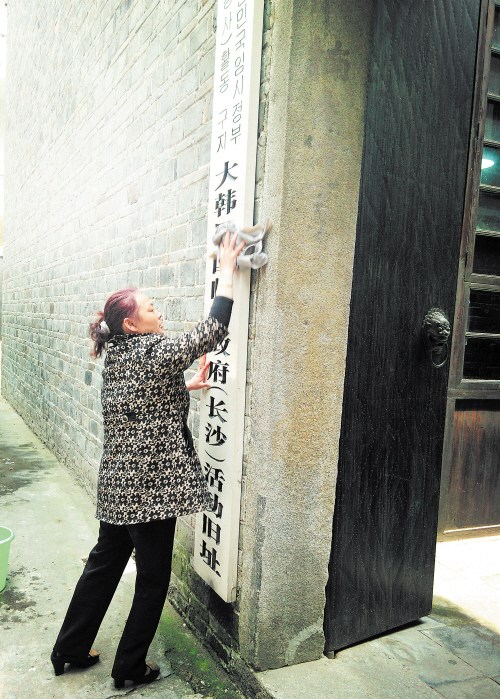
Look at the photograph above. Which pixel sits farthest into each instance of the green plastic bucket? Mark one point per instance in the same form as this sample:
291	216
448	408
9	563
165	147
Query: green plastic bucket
6	536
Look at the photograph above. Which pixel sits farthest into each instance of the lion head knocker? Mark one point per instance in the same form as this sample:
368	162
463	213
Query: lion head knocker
436	334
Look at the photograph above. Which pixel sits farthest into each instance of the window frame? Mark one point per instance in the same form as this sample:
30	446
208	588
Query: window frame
460	387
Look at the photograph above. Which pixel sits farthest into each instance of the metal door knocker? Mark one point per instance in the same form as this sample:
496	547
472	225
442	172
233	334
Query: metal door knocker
436	335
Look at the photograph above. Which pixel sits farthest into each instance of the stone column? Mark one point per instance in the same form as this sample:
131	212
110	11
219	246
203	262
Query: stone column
310	164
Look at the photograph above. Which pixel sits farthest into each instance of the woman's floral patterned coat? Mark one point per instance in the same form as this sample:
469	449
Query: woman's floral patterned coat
149	468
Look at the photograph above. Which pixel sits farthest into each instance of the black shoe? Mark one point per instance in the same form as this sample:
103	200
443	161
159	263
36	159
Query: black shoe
152	672
59	660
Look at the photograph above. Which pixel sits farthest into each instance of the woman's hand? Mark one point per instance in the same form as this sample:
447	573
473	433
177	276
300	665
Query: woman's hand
199	380
228	252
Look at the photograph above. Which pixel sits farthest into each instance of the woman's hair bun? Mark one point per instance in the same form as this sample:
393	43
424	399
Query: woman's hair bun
100	333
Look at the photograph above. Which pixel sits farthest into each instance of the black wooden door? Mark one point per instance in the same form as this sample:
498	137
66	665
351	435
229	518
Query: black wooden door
418	124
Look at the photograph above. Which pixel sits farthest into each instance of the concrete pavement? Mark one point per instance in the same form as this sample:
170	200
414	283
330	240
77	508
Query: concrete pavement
55	529
454	653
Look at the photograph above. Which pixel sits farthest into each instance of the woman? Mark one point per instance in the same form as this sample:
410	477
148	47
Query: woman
149	473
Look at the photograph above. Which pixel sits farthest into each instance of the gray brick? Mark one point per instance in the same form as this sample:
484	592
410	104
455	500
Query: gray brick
188	162
149	278
174	309
194	309
177	239
206	67
199	232
159	246
198	36
167	275
139	249
170	32
187	14
166	172
188	273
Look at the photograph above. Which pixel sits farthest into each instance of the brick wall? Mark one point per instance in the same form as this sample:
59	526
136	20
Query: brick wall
108	146
107	157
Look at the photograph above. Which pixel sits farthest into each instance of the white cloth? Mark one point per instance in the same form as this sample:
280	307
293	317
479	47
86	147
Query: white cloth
251	257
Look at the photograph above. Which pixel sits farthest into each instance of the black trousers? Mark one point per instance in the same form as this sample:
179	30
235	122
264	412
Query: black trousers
153	543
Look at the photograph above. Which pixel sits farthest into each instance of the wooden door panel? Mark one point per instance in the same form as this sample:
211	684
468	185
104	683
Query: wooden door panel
473	487
412	191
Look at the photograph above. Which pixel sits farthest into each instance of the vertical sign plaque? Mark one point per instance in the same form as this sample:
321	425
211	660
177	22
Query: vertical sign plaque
231	198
